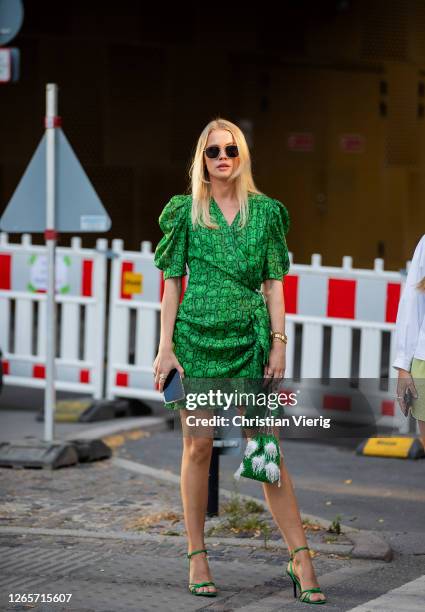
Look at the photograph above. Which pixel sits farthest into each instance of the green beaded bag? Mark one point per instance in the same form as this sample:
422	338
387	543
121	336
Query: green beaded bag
261	460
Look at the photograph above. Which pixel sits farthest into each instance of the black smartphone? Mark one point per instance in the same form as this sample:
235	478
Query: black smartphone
173	387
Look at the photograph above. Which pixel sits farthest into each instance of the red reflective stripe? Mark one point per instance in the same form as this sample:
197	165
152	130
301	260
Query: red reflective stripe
6	366
50	234
126	266
50	122
84	376
335	402
290	292
393	298
5	270
387	408
38	371
121	379
87	280
341	298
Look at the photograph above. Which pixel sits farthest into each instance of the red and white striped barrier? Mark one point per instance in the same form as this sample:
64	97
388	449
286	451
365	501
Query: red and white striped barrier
348	301
134	303
81	298
328	310
344	299
343	293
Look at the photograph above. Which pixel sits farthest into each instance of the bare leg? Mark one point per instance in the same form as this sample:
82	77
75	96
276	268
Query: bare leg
284	509
194	491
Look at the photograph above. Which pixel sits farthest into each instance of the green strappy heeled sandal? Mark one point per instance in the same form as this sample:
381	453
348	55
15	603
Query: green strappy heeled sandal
306	593
193	586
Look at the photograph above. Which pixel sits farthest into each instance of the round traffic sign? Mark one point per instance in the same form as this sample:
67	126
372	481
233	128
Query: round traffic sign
11	18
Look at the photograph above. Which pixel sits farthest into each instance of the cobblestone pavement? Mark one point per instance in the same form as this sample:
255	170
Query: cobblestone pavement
121	575
100	495
64	531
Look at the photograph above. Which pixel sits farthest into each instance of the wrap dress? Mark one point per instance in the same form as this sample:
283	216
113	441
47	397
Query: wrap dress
222	326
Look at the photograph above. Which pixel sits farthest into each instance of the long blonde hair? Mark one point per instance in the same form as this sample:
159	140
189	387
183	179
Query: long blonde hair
201	186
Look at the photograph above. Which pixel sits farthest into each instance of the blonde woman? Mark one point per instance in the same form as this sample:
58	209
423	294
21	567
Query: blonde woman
233	238
410	338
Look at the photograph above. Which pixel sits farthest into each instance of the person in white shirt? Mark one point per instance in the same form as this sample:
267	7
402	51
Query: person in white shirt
410	339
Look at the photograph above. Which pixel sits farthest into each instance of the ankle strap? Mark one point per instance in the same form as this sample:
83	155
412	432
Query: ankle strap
196	552
297	549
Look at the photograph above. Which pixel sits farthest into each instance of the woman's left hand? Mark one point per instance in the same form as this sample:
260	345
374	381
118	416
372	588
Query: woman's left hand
275	368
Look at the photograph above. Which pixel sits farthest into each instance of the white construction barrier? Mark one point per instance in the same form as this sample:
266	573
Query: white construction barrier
81	300
344	300
339	320
134	301
316	297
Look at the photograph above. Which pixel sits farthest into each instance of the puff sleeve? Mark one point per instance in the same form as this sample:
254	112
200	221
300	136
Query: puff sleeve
171	251
276	263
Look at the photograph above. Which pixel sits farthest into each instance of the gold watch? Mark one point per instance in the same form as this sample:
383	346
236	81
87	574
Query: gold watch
283	337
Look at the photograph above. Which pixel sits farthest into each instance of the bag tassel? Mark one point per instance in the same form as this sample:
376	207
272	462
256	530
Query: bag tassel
271	449
258	464
272	471
251	447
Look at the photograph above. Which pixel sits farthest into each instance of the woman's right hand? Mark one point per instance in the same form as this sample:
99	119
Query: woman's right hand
164	362
405	382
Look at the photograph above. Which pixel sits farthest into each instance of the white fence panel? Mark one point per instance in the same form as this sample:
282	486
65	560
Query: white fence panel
341	352
134	301
312	348
80	287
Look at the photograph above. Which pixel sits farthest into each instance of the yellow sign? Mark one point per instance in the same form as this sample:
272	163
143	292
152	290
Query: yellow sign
405	448
133	282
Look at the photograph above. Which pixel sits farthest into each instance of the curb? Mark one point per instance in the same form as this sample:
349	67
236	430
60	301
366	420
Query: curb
147	423
369	545
337	549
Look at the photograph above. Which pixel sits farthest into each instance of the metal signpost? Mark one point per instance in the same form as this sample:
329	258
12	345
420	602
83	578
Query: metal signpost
54	195
51	237
11	18
227	441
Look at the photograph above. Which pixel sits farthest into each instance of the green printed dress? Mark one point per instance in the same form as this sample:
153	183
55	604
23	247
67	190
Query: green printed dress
222	327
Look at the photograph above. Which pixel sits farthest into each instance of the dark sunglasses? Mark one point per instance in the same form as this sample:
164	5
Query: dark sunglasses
214	151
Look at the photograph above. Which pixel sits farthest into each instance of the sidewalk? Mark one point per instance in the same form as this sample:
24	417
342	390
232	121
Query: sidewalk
111	533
